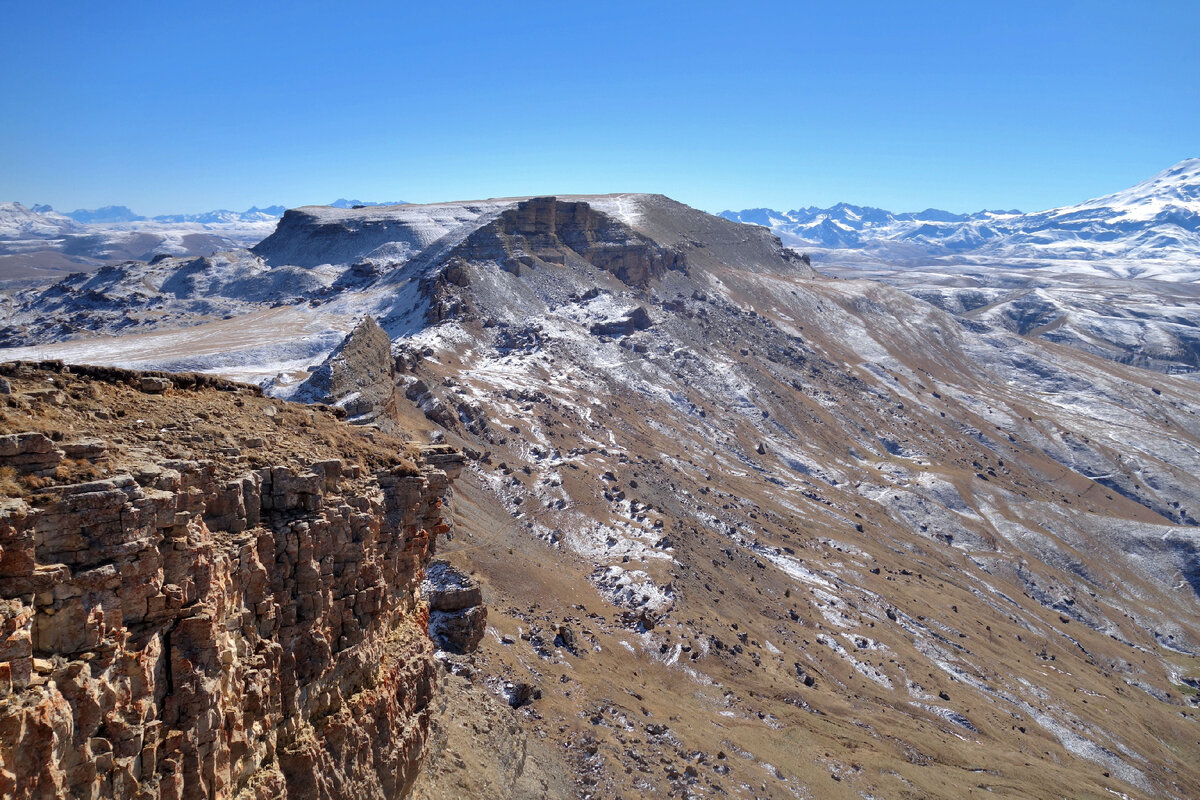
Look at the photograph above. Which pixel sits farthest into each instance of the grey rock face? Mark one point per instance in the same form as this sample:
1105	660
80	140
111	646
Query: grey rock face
457	617
360	375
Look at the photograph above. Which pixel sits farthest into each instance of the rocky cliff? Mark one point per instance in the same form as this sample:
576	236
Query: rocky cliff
545	230
205	593
359	376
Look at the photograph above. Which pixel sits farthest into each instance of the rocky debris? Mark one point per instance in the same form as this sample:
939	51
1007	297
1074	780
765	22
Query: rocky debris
519	693
804	676
167	632
30	453
636	320
432	406
567	639
457	615
479	747
359	376
458	631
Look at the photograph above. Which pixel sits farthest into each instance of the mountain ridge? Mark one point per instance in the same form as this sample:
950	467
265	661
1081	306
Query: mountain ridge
870	546
1157	218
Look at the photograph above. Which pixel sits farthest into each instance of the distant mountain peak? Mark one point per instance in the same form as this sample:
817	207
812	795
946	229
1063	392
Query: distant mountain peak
1178	184
1157	218
342	202
105	214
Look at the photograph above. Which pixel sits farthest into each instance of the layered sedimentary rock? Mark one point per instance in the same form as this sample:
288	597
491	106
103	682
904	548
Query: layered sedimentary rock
359	376
457	615
547	230
180	629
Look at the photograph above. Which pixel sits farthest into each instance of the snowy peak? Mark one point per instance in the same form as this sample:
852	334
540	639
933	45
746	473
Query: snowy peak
1176	187
20	222
1158	218
224	216
846	226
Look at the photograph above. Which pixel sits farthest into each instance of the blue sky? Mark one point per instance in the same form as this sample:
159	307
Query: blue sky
960	105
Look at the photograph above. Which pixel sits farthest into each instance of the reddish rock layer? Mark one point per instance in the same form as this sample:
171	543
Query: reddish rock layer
169	634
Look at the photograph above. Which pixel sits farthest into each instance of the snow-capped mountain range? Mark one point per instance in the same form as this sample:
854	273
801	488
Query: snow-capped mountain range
1157	219
1117	276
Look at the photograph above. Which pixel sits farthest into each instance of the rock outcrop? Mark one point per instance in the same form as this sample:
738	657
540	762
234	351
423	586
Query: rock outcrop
359	376
457	615
180	629
546	230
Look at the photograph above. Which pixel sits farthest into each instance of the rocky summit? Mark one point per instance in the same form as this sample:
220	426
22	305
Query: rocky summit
741	529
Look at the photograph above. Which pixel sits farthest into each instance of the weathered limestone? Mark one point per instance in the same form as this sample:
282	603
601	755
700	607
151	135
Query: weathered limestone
457	615
167	634
29	453
544	231
359	376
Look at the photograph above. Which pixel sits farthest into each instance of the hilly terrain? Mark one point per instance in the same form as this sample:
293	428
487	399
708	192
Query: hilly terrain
1115	276
743	529
38	244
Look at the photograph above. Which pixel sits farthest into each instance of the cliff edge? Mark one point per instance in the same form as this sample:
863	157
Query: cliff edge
207	593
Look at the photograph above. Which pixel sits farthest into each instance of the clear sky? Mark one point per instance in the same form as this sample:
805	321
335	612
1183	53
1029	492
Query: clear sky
188	106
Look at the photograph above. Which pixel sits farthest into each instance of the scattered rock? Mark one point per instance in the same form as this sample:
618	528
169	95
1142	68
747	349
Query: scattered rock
520	694
636	320
151	384
567	639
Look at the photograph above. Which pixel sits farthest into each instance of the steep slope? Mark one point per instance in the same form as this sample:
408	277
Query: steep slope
206	593
792	494
747	530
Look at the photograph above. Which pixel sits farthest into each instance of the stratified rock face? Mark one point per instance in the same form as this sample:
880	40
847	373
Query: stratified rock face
166	632
546	230
457	615
360	376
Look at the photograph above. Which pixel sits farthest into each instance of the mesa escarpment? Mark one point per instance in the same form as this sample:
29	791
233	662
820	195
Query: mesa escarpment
205	593
546	230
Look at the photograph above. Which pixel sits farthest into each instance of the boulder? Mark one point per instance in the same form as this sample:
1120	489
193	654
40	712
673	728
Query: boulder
151	384
457	617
